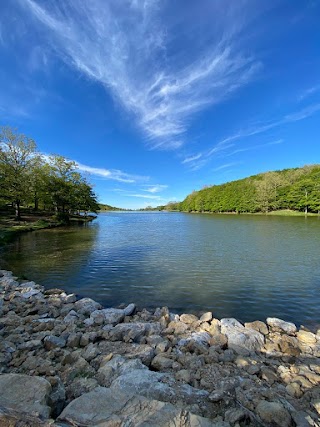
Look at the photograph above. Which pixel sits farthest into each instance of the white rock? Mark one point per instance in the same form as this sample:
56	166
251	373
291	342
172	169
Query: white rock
279	324
241	339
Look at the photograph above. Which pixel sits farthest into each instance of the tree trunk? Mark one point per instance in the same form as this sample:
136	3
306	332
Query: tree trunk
17	210
36	203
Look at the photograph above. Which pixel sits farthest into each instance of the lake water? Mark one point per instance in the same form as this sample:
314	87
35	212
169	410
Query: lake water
243	266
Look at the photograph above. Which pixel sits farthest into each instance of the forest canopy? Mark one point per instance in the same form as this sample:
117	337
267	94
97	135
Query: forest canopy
28	178
296	189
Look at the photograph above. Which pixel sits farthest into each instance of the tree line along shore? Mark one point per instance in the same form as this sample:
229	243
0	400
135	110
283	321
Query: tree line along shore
50	183
39	191
289	191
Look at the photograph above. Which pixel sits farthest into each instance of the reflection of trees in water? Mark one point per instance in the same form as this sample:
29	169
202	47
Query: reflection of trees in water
51	257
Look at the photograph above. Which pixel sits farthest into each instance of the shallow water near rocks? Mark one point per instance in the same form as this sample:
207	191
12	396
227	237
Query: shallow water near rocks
242	266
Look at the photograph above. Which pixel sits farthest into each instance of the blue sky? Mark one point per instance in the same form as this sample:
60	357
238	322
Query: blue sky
156	98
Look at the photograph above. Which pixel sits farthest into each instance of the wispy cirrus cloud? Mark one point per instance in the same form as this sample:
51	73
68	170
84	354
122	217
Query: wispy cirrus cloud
113	174
255	147
144	196
309	92
157	188
225	166
127	48
200	159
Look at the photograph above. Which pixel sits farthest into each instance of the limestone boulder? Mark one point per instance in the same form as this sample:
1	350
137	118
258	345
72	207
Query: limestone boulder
274	413
25	395
241	339
107	407
280	325
306	338
86	306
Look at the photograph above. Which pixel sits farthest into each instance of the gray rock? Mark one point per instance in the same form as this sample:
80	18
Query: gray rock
241	339
273	413
161	363
104	405
25	394
129	309
109	316
74	340
86	306
281	326
51	342
157	386
57	397
28	292
196	337
113	316
90	352
134	332
71	317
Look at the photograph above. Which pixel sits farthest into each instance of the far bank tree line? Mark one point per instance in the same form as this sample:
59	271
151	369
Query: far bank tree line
52	183
295	189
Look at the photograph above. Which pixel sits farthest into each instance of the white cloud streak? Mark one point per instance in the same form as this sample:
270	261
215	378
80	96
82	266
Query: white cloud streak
113	174
144	196
225	166
309	92
157	188
126	47
200	159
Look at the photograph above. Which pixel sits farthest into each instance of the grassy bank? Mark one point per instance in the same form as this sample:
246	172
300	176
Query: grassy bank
284	212
31	221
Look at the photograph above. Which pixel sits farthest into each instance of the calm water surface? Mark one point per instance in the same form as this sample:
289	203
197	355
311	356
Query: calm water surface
248	267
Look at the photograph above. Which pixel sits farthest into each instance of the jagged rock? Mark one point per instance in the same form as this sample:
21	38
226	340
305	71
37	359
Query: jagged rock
258	326
25	394
80	386
274	413
307	338
133	332
71	317
74	339
57	396
196	337
90	352
111	316
219	340
279	325
86	306
104	405
156	385
51	342
177	327
241	339
183	375
188	318
161	363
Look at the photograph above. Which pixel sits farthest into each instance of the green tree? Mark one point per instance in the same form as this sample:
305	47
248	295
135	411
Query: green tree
17	157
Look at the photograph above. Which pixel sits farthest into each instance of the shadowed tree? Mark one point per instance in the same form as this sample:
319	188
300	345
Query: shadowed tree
17	158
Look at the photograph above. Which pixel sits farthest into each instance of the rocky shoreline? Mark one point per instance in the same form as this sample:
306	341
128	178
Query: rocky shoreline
69	362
